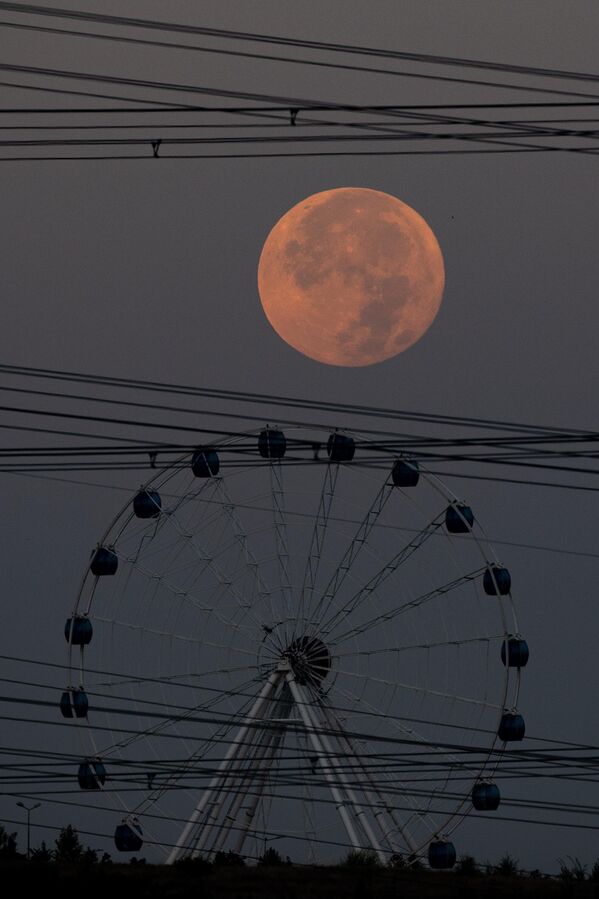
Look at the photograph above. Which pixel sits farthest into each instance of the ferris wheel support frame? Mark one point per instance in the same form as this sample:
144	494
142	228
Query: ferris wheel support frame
380	807
353	811
275	739
255	772
236	744
324	751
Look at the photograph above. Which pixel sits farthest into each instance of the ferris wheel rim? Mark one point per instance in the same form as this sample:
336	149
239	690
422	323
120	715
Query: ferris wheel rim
162	478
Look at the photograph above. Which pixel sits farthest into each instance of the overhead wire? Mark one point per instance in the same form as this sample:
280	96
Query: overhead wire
505	145
193	685
277	400
397	135
416	445
384	440
426	455
296	109
534	758
329	46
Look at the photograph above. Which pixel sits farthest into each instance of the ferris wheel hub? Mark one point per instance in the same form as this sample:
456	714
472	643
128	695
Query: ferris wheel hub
309	658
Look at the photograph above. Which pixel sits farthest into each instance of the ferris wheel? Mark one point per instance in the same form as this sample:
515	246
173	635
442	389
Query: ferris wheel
299	637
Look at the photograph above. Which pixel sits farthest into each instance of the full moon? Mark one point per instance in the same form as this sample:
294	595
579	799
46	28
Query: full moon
351	276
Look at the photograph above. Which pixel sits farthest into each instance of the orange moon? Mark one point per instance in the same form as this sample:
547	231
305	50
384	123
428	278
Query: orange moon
351	276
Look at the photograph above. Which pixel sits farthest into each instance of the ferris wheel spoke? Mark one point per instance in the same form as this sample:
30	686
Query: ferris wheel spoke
384	573
280	530
406	730
263	590
174	677
351	553
172	636
193	600
169	721
408	606
182	592
327	494
159	525
414	804
420	689
220	576
406	647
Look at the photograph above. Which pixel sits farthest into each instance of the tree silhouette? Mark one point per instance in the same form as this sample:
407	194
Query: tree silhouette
574	871
361	858
68	846
8	844
508	866
42	854
467	866
271	857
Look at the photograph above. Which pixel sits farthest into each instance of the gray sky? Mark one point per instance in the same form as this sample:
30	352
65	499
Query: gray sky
148	270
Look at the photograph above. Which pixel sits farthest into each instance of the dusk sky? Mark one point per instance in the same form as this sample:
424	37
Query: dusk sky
147	269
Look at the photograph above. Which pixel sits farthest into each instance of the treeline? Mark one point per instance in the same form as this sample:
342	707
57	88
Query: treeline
68	849
571	869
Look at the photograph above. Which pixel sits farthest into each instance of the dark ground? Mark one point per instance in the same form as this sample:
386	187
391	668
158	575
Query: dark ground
287	882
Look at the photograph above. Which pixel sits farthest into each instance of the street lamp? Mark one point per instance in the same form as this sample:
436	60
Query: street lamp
28	809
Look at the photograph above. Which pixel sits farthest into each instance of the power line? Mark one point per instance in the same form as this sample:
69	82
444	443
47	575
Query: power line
281	155
321	63
329	46
276	400
196	430
126	676
403	108
286	101
397	135
417	446
375	437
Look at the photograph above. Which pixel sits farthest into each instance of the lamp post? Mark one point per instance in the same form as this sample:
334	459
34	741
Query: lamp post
28	809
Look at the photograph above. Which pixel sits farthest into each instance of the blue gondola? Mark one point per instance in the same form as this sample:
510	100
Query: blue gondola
205	462
511	728
147	504
78	630
91	775
405	473
514	652
486	796
497	581
441	854
74	703
128	836
459	519
104	562
340	448
272	444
